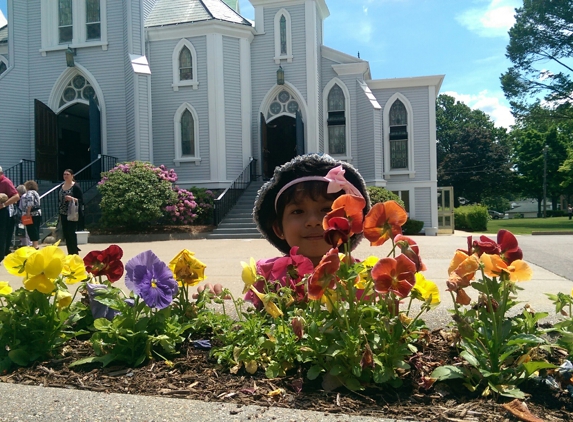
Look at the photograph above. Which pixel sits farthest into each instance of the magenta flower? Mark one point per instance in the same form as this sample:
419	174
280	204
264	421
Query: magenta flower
151	279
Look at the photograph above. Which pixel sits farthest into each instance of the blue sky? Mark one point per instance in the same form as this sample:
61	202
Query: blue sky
463	39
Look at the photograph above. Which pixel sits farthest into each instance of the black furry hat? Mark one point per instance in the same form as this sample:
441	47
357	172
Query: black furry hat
264	212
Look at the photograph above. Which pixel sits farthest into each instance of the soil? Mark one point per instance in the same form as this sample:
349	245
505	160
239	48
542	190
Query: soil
193	375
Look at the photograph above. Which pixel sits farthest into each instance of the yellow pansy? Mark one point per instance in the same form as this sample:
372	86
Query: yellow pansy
269	305
329	298
14	262
187	269
427	289
5	288
43	267
63	299
74	269
249	274
365	274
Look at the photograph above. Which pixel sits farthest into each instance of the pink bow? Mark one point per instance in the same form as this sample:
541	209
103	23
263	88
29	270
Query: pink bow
337	182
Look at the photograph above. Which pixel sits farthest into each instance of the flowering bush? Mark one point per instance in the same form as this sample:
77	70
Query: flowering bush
134	195
342	318
36	320
184	208
500	351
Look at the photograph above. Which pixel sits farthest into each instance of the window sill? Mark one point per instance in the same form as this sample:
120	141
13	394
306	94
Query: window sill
192	84
178	161
410	173
287	58
61	47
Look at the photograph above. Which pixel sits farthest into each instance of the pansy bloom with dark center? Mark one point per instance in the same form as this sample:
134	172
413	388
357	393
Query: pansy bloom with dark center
105	263
150	278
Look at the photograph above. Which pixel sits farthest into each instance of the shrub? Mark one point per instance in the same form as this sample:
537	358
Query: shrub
205	200
183	209
471	218
412	226
378	194
134	194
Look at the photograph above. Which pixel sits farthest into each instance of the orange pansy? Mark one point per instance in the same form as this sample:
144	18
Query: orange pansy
495	266
384	221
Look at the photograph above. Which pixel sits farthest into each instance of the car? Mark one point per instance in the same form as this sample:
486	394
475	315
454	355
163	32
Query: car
495	215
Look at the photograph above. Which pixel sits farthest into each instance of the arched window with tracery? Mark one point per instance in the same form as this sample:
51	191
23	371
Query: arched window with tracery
283	36
186	127
336	121
184	65
398	136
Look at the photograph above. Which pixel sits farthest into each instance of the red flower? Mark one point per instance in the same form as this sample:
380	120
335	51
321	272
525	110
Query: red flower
411	250
324	276
508	246
105	263
338	231
394	275
384	221
344	220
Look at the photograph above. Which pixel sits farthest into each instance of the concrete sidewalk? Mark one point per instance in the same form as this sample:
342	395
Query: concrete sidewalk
547	255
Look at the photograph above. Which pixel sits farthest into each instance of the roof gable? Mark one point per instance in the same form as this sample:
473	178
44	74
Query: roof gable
173	12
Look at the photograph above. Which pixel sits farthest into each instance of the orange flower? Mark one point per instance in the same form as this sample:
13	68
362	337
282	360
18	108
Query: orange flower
350	207
461	271
324	276
394	275
495	266
384	221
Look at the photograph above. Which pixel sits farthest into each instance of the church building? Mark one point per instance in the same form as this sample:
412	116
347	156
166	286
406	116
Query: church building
195	86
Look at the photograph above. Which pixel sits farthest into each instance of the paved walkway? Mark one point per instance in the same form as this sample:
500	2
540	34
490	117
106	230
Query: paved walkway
549	257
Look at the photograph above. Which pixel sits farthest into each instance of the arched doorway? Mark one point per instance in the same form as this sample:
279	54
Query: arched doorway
280	143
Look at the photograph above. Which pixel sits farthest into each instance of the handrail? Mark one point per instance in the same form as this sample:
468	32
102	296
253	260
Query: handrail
21	172
227	200
50	200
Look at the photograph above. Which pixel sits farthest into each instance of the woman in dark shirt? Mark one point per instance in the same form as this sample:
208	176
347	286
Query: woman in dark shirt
70	191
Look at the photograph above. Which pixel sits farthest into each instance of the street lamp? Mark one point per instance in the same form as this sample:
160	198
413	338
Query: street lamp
70	53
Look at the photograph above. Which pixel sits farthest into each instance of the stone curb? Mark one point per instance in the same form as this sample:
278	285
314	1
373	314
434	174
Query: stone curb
548	233
144	237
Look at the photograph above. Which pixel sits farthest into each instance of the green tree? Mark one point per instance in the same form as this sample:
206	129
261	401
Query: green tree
529	156
540	48
473	155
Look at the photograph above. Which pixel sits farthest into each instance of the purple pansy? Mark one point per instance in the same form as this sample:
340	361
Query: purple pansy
150	278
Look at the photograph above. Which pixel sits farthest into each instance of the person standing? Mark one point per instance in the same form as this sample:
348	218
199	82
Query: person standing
7	188
70	192
569	211
30	205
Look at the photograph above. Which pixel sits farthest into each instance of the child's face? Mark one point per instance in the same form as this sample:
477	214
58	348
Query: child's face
302	226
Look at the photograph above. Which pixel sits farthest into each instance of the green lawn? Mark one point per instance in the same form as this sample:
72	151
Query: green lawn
528	225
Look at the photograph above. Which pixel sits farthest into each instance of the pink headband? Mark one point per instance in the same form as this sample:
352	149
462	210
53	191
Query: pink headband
335	179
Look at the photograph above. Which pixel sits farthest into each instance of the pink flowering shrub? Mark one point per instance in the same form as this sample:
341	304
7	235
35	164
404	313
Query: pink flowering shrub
183	211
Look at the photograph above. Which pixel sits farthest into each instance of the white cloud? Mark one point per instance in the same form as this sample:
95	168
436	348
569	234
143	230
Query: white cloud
489	104
492	20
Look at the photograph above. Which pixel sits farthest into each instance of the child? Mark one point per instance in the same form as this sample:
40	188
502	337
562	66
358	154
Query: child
290	207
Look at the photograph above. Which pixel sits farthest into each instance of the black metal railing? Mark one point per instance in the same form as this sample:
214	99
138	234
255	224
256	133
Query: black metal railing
21	172
86	178
230	196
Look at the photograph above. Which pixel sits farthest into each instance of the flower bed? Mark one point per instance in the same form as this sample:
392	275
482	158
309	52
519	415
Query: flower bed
344	323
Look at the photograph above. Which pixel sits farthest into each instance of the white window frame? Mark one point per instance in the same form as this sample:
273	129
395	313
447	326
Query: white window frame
50	34
410	171
193	83
346	92
278	55
179	158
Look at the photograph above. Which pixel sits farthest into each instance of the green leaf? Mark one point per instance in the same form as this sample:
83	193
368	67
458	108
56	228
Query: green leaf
471	359
352	384
525	339
104	360
19	357
102	324
336	370
532	366
447	372
314	372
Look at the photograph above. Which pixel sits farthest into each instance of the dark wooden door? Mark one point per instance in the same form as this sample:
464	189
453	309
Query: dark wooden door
264	148
299	134
46	140
95	137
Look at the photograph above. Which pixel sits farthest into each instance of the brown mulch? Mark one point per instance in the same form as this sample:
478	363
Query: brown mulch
193	375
